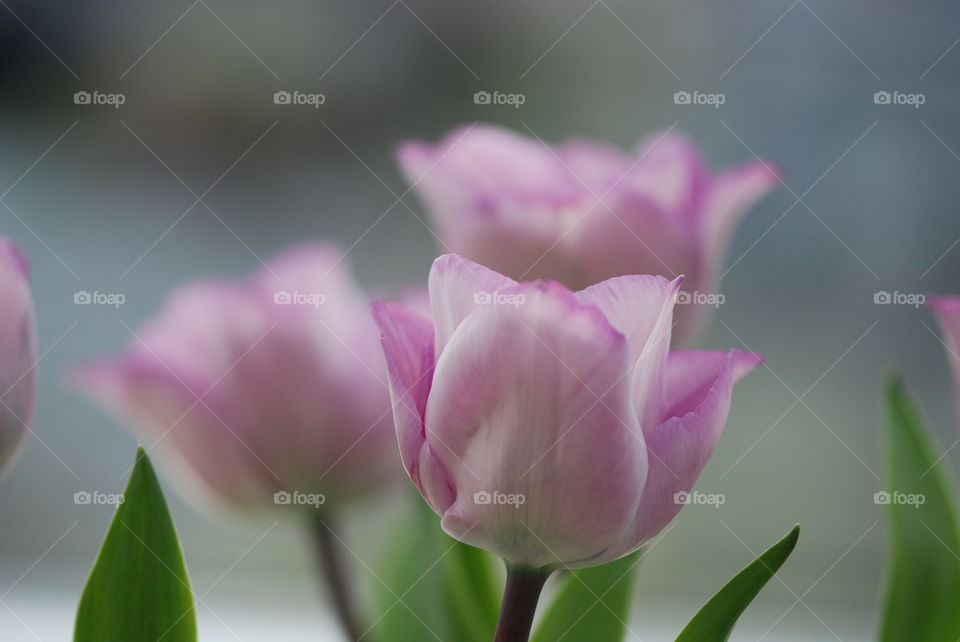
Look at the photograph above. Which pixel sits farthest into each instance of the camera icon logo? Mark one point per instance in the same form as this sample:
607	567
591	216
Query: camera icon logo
881	497
282	297
81	497
482	98
681	498
881	298
681	98
683	298
82	298
482	498
282	497
482	298
882	98
81	98
281	98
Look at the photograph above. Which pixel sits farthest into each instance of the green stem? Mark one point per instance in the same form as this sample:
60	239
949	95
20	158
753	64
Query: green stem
520	599
334	575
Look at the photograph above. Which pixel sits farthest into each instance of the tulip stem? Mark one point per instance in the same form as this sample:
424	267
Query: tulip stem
520	599
329	551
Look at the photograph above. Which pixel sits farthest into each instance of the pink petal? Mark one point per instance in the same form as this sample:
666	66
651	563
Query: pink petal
730	196
628	233
523	396
669	171
408	347
458	287
700	383
640	307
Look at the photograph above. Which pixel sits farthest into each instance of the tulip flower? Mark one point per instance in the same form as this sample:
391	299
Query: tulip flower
947	310
268	391
550	427
583	212
18	347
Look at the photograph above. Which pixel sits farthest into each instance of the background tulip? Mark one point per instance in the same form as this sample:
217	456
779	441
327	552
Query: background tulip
584	211
947	310
553	428
269	391
18	354
265	386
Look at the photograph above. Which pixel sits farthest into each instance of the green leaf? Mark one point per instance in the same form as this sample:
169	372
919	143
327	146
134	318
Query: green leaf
923	582
715	620
592	604
138	588
471	596
436	587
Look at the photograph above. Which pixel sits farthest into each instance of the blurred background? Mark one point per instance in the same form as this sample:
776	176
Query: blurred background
199	172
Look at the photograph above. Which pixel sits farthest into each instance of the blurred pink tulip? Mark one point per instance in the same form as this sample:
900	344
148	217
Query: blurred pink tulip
18	354
583	212
947	310
547	426
273	385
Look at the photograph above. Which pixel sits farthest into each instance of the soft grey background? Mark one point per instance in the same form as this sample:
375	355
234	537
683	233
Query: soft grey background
96	191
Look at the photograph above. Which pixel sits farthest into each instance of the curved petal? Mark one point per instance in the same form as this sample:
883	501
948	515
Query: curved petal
457	287
640	307
680	446
730	195
408	347
522	396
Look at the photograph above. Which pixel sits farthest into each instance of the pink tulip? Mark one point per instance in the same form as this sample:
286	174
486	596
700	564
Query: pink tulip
583	212
947	310
18	354
553	428
272	385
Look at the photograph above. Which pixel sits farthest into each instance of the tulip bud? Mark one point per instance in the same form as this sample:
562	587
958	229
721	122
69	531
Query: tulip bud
268	390
553	428
583	212
18	354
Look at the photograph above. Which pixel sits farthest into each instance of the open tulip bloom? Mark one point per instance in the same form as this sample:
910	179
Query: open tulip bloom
584	211
268	391
553	428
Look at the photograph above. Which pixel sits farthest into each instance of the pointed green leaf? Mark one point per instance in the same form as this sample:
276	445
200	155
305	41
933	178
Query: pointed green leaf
923	584
138	588
592	604
715	620
436	587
